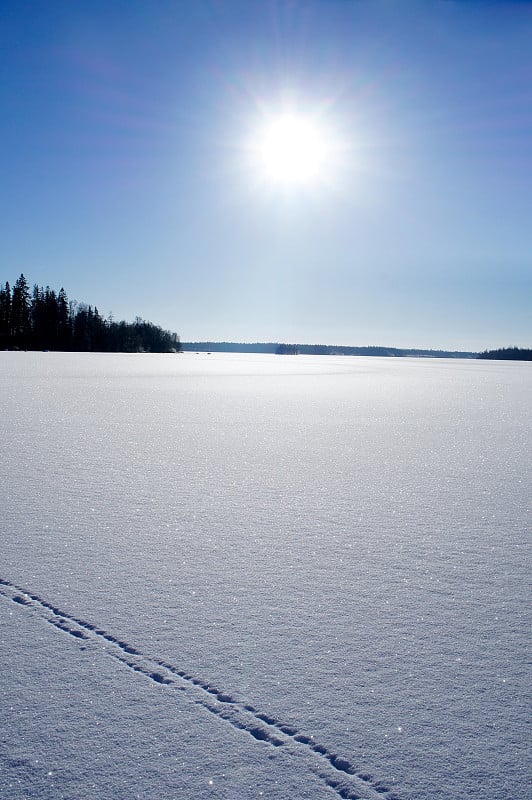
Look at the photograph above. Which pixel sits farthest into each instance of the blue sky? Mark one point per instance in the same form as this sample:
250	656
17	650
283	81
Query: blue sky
127	178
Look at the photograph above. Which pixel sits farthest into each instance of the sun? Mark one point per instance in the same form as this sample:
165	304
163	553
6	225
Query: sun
292	149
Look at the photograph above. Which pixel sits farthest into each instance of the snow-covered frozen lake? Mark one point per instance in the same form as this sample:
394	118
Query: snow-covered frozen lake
242	576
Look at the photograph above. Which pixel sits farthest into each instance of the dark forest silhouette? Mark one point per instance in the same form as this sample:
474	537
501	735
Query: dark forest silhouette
508	354
46	320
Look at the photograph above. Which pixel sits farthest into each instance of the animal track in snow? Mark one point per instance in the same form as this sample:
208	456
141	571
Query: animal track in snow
337	772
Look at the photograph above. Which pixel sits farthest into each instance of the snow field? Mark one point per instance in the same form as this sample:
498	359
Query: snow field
334	546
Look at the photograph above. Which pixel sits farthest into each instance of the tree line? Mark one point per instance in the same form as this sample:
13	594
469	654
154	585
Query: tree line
46	320
508	354
320	349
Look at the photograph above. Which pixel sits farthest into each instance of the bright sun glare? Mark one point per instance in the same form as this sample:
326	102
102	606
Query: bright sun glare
293	149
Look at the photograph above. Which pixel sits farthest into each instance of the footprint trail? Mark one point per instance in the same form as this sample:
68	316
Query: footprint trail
337	772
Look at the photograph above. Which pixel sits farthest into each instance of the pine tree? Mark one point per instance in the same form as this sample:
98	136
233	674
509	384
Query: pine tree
64	325
20	314
5	316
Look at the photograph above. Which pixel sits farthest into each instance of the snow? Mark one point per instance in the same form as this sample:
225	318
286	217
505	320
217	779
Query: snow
242	576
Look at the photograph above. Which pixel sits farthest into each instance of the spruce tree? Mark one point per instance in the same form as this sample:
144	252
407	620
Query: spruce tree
20	314
5	316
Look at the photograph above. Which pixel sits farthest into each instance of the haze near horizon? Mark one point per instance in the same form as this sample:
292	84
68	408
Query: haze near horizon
323	171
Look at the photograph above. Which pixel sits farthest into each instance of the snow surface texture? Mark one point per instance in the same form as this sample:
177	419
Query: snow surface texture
262	576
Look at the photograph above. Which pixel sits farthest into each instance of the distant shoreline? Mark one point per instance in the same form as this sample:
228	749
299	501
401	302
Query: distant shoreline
321	349
281	348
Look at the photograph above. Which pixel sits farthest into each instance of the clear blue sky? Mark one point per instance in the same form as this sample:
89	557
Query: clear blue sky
125	176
